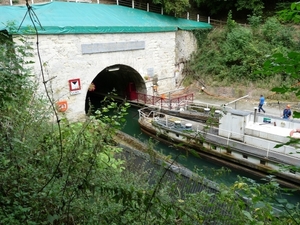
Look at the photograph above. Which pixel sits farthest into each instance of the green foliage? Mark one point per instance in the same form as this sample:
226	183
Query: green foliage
277	34
215	7
267	202
49	172
13	73
73	172
231	24
42	182
201	36
174	7
255	6
234	53
254	21
287	65
283	63
218	6
290	15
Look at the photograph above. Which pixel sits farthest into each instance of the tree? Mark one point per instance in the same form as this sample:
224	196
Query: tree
170	6
290	15
66	172
48	170
217	6
234	52
286	65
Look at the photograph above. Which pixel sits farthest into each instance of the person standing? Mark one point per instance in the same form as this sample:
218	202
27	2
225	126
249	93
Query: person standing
261	103
287	112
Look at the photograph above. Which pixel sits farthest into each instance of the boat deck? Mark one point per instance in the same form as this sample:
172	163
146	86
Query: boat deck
257	143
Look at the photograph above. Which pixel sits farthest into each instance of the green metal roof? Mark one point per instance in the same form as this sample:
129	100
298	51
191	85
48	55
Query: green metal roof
83	18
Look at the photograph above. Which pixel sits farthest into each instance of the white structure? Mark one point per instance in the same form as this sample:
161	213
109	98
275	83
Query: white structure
78	50
64	59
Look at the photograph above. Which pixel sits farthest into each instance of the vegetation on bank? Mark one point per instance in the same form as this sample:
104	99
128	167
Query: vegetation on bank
54	171
58	172
236	53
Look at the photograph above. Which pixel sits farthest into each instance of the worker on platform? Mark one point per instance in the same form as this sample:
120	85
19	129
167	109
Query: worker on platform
287	113
261	103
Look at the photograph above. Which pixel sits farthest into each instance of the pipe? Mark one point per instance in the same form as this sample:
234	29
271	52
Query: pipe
236	100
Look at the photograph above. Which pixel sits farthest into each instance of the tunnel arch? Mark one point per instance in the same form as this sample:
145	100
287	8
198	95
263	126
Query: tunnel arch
118	78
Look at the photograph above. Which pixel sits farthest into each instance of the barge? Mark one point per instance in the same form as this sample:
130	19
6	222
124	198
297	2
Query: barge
256	143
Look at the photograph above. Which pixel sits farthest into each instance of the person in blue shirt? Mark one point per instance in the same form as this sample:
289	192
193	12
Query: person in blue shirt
261	103
287	112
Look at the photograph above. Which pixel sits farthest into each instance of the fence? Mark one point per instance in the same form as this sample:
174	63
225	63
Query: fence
162	101
156	8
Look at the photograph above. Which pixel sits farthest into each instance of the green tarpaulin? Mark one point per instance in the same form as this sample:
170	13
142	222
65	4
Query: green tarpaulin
83	18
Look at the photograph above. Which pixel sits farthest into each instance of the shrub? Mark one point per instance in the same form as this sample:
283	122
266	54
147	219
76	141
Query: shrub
236	52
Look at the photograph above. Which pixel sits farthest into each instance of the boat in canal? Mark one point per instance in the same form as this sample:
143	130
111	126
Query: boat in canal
247	140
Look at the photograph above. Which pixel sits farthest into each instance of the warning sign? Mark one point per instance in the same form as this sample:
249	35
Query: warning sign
74	86
62	106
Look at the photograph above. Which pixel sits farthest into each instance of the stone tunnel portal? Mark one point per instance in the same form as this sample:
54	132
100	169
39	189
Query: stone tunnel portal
123	80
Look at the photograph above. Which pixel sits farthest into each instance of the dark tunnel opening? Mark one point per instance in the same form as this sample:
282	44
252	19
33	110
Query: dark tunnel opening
119	79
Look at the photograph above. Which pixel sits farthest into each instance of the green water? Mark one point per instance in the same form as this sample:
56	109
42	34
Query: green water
204	167
189	161
209	169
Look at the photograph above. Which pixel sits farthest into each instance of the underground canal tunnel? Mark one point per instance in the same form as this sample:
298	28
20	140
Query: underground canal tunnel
119	81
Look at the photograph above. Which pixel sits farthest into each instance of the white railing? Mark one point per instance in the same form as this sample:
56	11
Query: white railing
128	3
200	129
236	100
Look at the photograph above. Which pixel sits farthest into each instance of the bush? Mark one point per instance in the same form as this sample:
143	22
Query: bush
236	52
277	34
69	173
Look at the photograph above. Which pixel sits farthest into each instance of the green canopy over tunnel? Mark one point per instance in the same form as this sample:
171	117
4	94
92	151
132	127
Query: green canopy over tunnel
83	18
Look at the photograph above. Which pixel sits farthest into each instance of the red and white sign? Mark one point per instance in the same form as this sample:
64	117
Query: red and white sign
62	106
74	86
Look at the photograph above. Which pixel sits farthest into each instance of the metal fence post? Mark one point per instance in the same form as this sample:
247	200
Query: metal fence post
169	100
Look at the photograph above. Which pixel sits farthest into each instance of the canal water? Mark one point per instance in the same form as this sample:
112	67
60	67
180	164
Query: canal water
209	169
190	161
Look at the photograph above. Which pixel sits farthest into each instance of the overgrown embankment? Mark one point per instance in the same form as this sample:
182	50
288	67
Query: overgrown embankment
234	55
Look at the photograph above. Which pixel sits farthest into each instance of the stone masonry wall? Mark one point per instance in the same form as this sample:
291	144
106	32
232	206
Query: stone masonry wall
186	45
63	60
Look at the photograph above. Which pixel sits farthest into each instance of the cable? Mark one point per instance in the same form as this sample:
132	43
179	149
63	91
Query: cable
34	19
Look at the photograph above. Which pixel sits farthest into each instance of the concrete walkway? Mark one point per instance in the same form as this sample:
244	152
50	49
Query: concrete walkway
271	107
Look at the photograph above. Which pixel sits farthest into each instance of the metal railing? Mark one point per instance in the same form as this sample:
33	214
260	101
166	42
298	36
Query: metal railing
202	130
156	8
162	101
235	101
